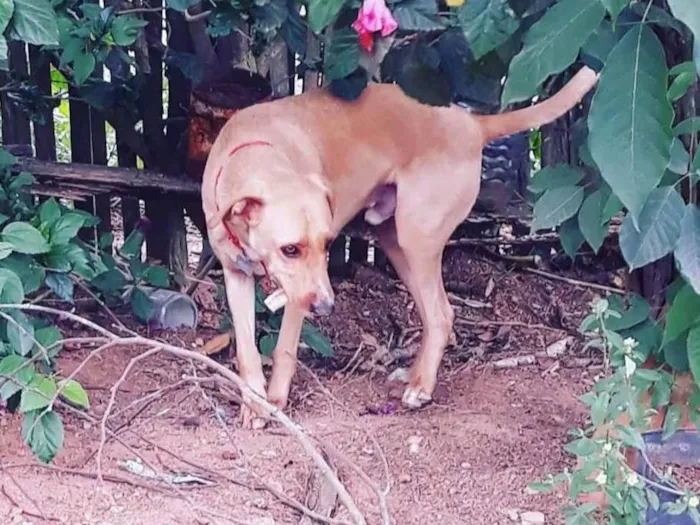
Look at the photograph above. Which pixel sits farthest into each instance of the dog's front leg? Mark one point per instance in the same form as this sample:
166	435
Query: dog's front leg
284	362
240	291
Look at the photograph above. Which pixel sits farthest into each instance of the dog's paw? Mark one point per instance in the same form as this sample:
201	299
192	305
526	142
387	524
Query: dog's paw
250	420
415	398
253	416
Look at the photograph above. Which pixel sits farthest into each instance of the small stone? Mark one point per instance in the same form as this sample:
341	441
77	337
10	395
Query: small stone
199	341
513	514
404	479
465	465
368	451
530	492
268	454
414	445
532	518
400	375
229	455
260	503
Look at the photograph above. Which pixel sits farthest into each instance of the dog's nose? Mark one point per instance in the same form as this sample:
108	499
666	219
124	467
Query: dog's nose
324	307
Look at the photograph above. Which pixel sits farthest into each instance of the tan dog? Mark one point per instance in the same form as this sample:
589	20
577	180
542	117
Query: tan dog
284	177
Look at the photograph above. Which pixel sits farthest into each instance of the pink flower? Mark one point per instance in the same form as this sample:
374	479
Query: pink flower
374	16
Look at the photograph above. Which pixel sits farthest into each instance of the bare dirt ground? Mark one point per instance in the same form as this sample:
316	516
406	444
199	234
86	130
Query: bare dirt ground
466	459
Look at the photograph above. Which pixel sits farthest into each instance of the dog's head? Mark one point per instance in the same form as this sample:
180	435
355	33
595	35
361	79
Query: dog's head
289	229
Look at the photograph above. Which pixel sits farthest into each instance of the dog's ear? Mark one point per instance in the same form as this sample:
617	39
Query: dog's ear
247	209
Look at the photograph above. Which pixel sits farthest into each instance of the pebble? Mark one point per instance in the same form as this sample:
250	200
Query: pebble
532	518
404	478
414	445
513	514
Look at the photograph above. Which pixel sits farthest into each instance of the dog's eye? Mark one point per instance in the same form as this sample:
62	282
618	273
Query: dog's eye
291	251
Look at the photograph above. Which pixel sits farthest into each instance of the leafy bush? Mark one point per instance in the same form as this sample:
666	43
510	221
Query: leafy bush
618	417
40	254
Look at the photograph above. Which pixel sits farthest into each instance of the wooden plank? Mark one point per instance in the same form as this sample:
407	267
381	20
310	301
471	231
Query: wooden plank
120	180
16	128
44	133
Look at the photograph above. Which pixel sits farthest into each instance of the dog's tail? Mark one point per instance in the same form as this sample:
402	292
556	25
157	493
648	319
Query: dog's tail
504	124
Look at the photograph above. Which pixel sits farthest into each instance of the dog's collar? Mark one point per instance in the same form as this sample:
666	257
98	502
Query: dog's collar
243	262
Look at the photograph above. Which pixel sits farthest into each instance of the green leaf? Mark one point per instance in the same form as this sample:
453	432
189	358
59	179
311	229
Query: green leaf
630	437
600	408
125	29
680	85
343	55
318	342
551	45
418	15
43	433
633	311
683	314
689	126
25	238
680	158
570	236
486	24
694	353
49	212
590	219
48	340
268	343
157	276
672	421
66	228
15	367
601	42
38	394
582	448
83	66
687	250
659	228
350	87
556	206
180	5
141	305
74	392
7	8
688	12
20	333
59	258
630	141
62	285
11	289
34	22
110	281
323	13
553	177
615	7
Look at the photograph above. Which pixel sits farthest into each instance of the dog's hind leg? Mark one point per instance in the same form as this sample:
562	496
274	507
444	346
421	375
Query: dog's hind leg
284	362
428	211
240	291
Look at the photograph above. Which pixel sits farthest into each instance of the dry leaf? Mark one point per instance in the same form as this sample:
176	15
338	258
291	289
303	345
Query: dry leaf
217	344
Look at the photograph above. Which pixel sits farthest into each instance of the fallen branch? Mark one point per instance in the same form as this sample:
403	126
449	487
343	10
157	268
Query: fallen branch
575	282
247	392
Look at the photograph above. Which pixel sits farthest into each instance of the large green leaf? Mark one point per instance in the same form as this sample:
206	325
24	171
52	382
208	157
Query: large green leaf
44	433
20	333
487	24
74	392
316	340
551	45
570	236
676	353
7	8
590	219
11	288
34	22
555	206
683	314
615	7
323	13
38	394
630	119
556	176
694	353
15	374
66	228
659	228
25	238
688	12
418	15
180	5
343	54
687	250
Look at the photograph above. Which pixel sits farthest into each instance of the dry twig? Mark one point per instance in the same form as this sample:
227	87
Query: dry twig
157	346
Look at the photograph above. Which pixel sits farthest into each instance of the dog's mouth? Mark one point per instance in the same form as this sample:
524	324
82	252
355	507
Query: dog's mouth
275	296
